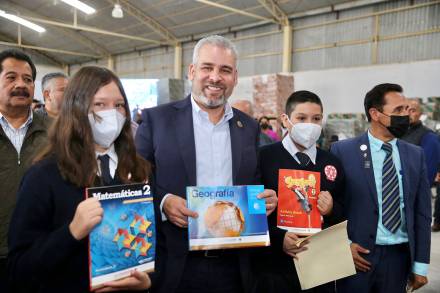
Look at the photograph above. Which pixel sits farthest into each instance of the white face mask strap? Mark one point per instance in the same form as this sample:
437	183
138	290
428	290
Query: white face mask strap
288	120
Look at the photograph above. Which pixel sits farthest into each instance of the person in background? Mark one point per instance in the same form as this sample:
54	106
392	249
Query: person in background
424	137
22	134
53	86
90	144
267	128
429	141
36	105
436	225
388	199
297	151
246	107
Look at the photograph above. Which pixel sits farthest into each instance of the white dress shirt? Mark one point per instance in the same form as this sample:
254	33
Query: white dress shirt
113	161
292	149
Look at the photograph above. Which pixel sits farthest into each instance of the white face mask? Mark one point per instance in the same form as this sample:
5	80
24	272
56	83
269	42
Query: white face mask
107	129
305	134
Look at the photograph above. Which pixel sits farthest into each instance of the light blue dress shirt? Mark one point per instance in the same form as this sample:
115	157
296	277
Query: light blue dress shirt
384	236
213	149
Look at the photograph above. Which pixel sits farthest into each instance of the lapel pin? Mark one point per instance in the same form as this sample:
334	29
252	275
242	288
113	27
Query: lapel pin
365	155
363	147
239	124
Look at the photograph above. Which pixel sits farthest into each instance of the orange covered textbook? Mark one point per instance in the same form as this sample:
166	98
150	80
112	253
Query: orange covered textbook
298	192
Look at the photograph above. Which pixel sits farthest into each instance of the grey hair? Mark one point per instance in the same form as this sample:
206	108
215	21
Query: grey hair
48	77
217	41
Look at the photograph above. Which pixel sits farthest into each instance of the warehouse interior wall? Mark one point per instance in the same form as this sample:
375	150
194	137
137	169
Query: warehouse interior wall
343	90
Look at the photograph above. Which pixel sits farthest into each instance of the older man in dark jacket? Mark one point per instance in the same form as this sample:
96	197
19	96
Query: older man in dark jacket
22	133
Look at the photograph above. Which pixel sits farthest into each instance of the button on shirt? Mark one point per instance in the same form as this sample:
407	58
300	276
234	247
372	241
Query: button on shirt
16	136
384	236
292	149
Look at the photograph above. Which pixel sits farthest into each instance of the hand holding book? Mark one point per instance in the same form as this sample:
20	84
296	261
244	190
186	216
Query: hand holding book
271	199
136	281
325	203
87	215
177	212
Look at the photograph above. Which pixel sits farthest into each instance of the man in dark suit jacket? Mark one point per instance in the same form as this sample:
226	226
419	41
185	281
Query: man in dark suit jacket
201	141
388	202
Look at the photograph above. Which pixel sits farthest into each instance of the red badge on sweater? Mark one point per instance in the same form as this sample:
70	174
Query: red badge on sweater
330	172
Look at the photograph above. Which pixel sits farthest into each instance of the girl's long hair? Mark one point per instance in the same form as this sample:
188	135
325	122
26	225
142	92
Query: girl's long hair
71	140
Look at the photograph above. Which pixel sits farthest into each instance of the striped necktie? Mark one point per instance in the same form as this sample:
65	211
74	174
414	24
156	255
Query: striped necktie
391	218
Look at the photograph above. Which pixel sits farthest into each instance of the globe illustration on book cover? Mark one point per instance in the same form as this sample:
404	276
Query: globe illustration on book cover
228	217
224	219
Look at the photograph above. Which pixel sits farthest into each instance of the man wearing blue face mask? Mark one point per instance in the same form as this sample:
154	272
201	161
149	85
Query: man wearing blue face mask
388	201
297	151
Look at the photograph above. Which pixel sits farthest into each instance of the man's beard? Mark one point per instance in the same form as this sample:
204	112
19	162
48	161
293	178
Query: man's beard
211	103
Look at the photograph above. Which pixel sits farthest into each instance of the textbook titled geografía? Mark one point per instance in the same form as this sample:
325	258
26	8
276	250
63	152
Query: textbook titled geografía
229	217
125	239
298	192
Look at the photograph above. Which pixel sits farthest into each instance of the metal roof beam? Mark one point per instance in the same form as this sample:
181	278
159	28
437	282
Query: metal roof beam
91	30
76	36
147	20
49	50
8	39
273	8
235	10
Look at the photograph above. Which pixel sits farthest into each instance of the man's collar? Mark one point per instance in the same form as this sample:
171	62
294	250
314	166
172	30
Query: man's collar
376	144
228	114
292	149
25	124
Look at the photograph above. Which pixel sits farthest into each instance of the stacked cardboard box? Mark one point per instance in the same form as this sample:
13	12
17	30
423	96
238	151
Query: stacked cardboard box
343	125
432	108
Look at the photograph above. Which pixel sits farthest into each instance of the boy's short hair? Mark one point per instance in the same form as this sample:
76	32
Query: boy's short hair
300	97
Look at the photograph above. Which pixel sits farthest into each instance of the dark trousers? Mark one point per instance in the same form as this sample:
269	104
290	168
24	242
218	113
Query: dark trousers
437	206
390	268
276	282
4	282
206	274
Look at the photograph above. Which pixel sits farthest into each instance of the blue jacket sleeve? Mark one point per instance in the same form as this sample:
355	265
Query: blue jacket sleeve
422	217
431	147
144	138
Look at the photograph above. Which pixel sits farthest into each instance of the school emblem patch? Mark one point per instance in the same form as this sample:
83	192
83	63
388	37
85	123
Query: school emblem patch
330	172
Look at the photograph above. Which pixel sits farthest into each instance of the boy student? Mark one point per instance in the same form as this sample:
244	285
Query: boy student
297	151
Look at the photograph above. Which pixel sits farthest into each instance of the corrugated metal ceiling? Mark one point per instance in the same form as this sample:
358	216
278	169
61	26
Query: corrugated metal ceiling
185	19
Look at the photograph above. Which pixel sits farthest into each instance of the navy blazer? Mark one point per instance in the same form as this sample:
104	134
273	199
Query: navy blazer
166	139
361	205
